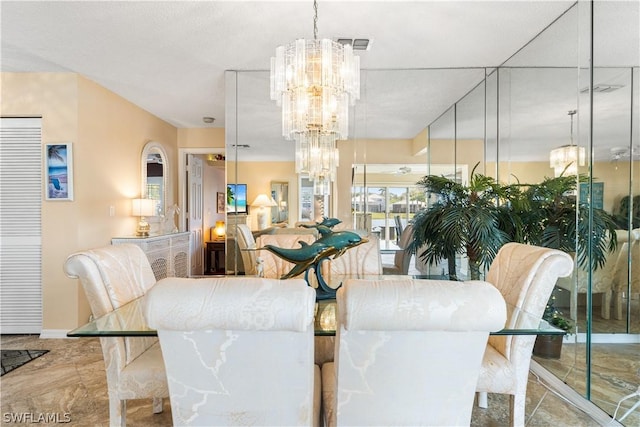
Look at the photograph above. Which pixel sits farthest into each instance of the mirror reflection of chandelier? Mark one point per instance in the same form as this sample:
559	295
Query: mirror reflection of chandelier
565	159
315	81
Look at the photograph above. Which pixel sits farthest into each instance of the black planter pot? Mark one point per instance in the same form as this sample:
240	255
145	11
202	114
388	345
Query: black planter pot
548	346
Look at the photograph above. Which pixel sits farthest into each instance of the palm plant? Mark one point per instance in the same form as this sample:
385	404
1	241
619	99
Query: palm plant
464	220
555	219
478	219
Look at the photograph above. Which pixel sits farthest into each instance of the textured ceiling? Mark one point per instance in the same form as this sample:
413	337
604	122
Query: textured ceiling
170	57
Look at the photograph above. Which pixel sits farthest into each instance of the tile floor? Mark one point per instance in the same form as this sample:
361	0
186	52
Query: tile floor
70	381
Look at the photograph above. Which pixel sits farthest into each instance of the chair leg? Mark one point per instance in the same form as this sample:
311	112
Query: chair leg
117	412
516	409
617	306
482	400
157	405
606	305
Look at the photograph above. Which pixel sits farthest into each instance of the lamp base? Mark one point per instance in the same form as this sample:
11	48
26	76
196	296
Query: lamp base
143	228
262	219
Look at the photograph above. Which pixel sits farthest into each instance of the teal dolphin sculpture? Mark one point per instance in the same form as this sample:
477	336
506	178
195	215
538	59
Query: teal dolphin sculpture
310	256
324	227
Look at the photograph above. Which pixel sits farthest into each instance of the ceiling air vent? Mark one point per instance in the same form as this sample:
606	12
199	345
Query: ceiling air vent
602	88
357	44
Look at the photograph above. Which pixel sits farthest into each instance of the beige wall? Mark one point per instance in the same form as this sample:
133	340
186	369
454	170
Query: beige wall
108	134
614	176
201	138
258	177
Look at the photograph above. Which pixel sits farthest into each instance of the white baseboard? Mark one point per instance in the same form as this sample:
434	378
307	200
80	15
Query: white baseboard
604	338
54	333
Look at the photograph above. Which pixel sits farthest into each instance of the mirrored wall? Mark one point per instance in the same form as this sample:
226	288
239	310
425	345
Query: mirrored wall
502	122
548	97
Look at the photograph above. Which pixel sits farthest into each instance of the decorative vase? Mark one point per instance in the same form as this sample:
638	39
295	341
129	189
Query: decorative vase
548	346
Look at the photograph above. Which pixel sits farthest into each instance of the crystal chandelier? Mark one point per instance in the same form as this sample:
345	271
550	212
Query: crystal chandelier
315	81
566	159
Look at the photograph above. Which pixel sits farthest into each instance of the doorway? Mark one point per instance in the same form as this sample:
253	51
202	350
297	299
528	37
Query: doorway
197	197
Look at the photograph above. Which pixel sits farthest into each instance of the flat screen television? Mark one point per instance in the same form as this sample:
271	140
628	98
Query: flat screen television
239	202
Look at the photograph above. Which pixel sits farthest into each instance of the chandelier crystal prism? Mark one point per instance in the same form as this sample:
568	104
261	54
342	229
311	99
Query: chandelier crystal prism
566	159
315	82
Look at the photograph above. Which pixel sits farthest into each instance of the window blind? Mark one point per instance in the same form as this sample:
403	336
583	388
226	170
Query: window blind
20	225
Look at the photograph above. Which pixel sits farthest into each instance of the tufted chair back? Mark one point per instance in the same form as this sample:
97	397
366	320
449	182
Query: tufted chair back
525	276
408	351
112	276
238	350
361	260
274	266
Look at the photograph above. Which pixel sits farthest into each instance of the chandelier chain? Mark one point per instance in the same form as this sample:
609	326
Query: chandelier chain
571	113
314	81
315	20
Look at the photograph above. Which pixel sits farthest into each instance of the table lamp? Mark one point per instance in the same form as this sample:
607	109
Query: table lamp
261	202
143	208
219	230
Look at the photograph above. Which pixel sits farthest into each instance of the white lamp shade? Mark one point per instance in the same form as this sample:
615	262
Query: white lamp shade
143	207
263	200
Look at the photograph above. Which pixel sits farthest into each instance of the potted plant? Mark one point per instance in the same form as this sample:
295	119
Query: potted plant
478	219
554	218
550	346
464	220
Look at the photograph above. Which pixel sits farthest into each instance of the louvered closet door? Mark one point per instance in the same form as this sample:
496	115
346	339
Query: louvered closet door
20	225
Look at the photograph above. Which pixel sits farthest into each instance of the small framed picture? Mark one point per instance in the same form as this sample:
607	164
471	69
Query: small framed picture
221	202
59	171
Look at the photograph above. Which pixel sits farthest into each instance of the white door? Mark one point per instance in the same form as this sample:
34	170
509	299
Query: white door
20	229
194	214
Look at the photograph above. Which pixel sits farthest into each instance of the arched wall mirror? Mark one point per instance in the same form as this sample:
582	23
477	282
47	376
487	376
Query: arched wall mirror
154	175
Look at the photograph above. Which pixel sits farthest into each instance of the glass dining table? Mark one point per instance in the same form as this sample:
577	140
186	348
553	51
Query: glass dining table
129	320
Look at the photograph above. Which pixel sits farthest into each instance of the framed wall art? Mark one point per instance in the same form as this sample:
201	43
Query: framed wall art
221	202
59	171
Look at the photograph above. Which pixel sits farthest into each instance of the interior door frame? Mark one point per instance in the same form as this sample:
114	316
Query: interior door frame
182	181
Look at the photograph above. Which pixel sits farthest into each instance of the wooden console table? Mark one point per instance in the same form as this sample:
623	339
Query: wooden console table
214	257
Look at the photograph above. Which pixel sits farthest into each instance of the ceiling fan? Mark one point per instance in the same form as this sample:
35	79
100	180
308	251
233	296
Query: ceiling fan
402	170
622	153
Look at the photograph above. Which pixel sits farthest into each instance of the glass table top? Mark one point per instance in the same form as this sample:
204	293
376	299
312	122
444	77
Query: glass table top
129	320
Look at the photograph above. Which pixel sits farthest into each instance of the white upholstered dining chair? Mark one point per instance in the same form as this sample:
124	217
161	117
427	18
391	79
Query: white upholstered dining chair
273	266
402	257
629	250
408	351
238	350
111	277
525	276
602	280
360	260
246	242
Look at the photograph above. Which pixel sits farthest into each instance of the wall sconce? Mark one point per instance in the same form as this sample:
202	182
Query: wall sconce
143	208
219	230
261	202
